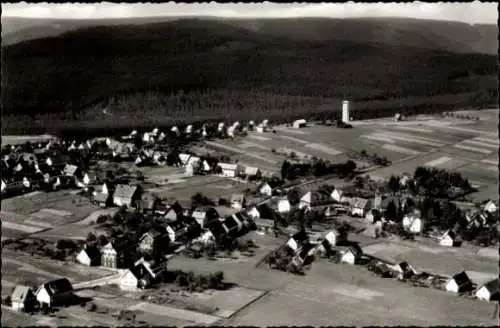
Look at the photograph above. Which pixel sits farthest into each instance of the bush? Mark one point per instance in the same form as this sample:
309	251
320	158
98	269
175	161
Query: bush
92	307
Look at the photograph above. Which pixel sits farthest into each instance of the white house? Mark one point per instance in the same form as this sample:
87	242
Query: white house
265	189
184	158
297	240
284	206
4	186
205	166
306	200
413	223
55	292
238	201
333	238
229	170
459	283
253	213
252	171
140	275
360	206
336	195
489	291
373	215
351	255
88	256
448	239
189	170
490	207
22	298
299	123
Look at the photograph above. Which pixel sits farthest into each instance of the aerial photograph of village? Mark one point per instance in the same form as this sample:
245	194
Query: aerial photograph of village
250	164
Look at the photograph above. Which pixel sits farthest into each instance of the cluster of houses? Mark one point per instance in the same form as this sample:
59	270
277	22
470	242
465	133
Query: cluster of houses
58	292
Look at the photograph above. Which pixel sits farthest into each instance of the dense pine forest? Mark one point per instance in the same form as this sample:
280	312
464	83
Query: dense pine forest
193	70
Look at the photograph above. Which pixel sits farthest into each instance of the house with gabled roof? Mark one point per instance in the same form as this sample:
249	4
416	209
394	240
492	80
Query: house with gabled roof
23	298
490	207
284	205
448	239
252	171
140	275
336	195
305	255
152	239
297	240
490	291
125	195
205	214
70	170
373	215
404	270
459	283
238	201
413	223
350	254
174	212
218	229
117	253
360	206
229	170
235	223
55	292
265	189
89	256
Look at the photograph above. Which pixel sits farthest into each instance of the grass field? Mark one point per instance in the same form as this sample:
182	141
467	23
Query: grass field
440	260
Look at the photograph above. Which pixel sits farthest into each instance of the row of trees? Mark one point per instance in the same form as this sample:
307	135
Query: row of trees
195	282
318	168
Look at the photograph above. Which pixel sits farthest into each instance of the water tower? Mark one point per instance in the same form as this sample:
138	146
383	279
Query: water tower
345	111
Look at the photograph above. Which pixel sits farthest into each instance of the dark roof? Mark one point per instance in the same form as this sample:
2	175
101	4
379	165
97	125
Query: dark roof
300	236
493	286
92	252
231	222
58	286
451	233
461	278
305	249
217	229
177	207
266	211
139	271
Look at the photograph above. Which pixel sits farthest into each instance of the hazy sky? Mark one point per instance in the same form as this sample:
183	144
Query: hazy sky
472	12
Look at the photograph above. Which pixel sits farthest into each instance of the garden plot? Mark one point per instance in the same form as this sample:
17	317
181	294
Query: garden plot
400	149
480	143
289	138
325	149
257	137
291	130
21	227
287	151
438	162
185	315
377	137
411	128
247	144
409	138
47	218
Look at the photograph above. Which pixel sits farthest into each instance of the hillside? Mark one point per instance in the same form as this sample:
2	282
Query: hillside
210	68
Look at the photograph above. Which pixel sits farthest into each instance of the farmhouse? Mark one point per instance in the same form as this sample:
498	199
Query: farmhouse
459	283
448	239
55	292
299	123
101	199
305	255
147	204
70	170
264	225
125	195
140	275
116	253
265	189
189	171
219	231
205	166
174	212
311	198
489	291
229	170
184	158
478	219
204	215
413	223
490	207
23	299
360	206
373	215
176	230
89	256
404	270
284	205
336	195
252	171
351	254
334	238
149	240
238	201
297	240
377	202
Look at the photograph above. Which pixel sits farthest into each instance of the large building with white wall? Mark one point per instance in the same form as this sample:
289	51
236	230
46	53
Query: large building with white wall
345	111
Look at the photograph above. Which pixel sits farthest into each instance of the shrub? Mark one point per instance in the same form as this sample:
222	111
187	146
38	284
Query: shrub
92	307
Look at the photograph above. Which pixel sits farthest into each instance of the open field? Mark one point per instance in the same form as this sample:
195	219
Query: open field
349	295
21	139
440	260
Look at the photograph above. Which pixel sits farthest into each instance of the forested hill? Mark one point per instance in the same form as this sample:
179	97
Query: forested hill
220	68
